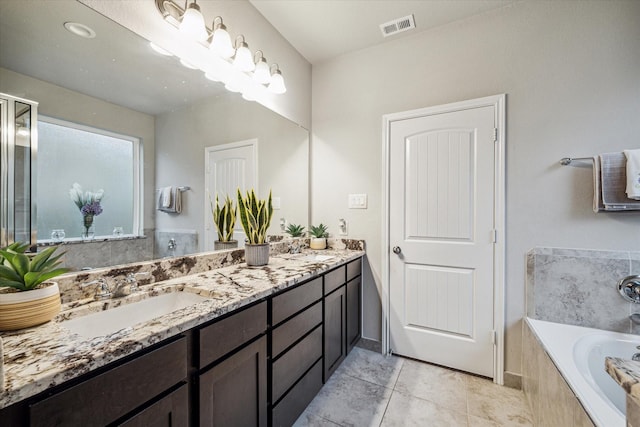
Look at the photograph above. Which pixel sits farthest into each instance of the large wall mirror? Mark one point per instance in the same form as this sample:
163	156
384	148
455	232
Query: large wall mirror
115	85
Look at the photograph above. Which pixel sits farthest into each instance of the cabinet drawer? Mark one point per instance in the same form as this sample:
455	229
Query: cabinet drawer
295	402
290	302
287	333
172	410
106	397
226	335
354	269
334	279
295	362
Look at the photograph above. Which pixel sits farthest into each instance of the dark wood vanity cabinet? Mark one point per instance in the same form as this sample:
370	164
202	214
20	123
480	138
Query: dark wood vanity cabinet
232	381
148	386
258	366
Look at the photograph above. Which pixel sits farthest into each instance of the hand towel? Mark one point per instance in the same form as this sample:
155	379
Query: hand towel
633	173
165	197
613	182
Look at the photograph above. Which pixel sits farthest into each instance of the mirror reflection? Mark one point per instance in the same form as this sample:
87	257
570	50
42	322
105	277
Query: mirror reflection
191	132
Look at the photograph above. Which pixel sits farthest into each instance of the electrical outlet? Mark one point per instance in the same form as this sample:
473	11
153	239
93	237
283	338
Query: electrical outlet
275	202
343	227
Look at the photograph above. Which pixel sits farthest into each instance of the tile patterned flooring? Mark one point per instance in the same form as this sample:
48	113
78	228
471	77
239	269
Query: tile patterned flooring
369	389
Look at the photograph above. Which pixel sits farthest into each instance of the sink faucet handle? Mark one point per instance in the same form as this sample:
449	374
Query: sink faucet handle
133	281
102	290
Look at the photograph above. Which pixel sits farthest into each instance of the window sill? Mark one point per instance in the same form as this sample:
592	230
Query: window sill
96	239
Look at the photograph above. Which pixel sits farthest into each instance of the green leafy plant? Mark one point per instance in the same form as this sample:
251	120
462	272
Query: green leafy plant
255	216
224	218
295	230
24	272
319	231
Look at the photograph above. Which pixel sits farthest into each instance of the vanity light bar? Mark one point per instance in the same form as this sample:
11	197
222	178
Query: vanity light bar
217	40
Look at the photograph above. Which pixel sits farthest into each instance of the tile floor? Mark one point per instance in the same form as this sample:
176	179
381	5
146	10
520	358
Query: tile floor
373	390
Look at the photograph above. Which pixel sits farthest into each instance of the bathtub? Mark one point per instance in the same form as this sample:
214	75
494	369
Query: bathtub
579	354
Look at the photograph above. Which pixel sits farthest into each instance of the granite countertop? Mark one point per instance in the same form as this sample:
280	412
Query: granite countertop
38	358
626	373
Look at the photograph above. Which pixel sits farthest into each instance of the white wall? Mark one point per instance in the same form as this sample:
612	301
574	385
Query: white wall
571	72
58	102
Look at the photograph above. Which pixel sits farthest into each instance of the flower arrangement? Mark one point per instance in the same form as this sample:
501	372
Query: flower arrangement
88	203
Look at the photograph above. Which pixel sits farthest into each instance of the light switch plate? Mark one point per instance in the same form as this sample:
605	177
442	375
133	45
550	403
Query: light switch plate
357	201
275	202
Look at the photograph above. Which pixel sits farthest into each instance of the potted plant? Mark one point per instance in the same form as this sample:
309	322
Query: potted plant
26	297
255	217
225	219
295	230
319	236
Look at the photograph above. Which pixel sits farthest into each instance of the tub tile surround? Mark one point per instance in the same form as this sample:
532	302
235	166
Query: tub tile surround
41	357
578	287
627	374
550	398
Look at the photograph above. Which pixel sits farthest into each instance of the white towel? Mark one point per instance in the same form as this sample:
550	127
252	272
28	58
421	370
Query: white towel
165	197
633	173
612	183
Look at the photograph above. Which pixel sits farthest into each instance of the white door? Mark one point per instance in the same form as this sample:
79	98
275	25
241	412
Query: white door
441	229
227	168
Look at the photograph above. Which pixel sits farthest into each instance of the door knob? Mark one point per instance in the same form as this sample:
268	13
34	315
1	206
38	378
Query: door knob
396	250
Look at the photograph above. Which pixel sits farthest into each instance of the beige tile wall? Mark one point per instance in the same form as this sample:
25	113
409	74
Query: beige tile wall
552	401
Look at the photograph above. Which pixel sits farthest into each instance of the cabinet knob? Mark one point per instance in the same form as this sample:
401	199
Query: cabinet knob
396	250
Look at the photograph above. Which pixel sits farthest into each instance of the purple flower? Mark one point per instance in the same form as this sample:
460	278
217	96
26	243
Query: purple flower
92	208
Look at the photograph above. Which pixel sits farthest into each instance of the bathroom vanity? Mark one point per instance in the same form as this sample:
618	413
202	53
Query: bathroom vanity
254	355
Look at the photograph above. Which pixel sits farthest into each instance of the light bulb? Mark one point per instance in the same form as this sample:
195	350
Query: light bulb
277	83
192	24
221	43
262	74
244	60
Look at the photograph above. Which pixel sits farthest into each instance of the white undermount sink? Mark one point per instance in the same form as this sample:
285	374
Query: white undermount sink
317	258
112	320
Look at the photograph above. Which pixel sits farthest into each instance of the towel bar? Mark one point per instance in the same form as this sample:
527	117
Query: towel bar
567	160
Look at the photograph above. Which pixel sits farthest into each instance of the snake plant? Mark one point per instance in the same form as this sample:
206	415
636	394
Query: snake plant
255	216
24	272
295	230
224	218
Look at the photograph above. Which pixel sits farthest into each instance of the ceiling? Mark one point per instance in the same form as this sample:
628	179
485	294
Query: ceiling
323	29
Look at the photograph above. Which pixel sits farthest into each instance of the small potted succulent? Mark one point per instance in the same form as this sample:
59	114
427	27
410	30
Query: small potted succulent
255	217
27	298
225	219
318	236
295	230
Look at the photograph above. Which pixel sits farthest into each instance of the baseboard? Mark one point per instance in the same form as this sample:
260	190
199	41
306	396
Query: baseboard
512	380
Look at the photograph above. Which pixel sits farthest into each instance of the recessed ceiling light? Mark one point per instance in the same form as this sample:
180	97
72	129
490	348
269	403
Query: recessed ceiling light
80	30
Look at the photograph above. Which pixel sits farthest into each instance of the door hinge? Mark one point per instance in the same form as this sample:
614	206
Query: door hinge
494	236
494	339
495	134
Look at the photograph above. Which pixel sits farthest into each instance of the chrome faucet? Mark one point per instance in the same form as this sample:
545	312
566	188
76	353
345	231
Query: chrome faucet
127	286
102	290
172	244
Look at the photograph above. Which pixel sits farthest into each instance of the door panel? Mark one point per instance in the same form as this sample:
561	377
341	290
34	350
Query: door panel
228	167
442	170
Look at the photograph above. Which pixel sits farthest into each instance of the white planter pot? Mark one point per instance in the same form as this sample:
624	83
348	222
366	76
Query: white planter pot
318	243
256	255
20	310
221	246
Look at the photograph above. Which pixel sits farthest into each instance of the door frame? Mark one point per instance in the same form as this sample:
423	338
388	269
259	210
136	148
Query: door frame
253	143
498	102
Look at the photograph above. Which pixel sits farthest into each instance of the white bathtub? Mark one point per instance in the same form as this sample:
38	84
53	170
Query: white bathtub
579	355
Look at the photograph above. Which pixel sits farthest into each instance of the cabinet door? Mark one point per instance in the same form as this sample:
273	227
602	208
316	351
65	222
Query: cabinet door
335	341
354	289
170	411
234	392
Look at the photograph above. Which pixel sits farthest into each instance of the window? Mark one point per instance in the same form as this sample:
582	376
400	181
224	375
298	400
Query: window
95	159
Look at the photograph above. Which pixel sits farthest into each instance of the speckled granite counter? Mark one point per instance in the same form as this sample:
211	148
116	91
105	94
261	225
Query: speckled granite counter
38	358
626	373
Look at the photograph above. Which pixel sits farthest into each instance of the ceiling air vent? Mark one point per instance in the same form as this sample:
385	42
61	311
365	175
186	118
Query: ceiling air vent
397	25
